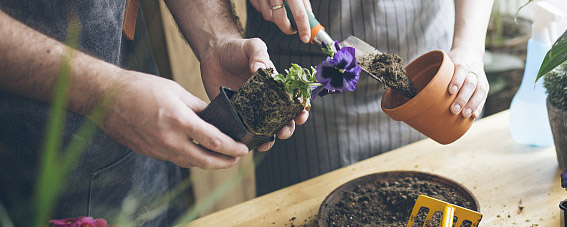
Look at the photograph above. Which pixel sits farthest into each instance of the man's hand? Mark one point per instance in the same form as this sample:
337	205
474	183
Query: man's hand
149	114
157	117
272	11
226	59
231	64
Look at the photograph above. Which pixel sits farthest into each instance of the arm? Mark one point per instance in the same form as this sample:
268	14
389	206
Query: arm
151	115
469	81
30	63
226	59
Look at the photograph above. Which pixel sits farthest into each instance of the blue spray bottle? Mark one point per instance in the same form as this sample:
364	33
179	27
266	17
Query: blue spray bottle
529	123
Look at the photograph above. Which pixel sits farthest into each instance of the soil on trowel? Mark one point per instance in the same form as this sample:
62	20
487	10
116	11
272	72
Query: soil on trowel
390	69
390	203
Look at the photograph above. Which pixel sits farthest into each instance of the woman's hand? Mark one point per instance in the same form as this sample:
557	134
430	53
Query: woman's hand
469	82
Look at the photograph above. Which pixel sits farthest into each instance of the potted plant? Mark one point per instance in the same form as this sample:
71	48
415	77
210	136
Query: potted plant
555	83
553	70
268	100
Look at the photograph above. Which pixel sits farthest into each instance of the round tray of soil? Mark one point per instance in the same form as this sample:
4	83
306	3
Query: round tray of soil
387	199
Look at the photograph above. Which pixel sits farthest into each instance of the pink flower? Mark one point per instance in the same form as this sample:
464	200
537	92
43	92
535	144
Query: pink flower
79	222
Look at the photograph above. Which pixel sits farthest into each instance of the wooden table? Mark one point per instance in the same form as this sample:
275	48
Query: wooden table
515	185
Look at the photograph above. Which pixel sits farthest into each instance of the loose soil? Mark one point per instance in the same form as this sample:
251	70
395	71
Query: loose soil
390	69
390	203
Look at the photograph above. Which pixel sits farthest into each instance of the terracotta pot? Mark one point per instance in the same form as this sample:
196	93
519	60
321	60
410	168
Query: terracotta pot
221	113
558	122
429	111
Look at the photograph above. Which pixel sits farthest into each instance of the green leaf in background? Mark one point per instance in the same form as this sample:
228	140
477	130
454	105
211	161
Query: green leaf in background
50	177
554	57
54	164
518	11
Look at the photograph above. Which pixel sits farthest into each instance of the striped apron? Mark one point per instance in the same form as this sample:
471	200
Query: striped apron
346	128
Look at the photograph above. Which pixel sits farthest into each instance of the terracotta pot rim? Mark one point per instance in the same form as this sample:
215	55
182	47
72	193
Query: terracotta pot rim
413	104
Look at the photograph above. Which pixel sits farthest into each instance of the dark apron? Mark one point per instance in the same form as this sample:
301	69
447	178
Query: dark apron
107	174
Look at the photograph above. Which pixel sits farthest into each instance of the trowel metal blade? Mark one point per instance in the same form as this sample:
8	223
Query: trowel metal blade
362	49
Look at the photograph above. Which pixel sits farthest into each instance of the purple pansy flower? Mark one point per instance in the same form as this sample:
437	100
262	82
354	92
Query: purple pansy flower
79	222
321	91
338	73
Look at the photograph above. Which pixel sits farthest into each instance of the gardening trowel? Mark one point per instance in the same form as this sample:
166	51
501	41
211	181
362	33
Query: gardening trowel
449	212
319	36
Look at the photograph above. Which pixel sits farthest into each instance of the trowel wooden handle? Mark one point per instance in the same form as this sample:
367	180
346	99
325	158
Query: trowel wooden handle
314	24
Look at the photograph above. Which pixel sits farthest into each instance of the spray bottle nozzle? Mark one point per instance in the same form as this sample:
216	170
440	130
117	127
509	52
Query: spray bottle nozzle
545	17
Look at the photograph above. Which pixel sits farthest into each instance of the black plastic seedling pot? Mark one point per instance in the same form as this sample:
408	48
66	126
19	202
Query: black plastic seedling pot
221	113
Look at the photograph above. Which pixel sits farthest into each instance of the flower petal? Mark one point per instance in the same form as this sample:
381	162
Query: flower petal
344	59
337	46
350	51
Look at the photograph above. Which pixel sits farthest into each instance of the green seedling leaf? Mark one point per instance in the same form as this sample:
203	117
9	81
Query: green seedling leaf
328	49
298	82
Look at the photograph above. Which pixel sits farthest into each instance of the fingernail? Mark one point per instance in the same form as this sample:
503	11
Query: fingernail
305	39
456	108
476	114
453	90
258	65
467	113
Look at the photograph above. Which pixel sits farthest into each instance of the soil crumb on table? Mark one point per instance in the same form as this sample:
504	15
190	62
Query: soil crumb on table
390	69
391	203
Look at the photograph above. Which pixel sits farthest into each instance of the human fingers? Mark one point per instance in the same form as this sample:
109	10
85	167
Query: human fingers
297	8
476	114
458	79
257	53
466	88
197	156
307	5
265	146
265	9
302	117
212	138
476	102
279	17
287	130
256	5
